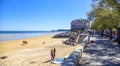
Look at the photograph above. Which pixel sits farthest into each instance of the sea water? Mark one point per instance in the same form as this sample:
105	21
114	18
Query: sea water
14	35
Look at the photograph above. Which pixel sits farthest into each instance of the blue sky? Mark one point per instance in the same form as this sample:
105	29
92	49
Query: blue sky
41	14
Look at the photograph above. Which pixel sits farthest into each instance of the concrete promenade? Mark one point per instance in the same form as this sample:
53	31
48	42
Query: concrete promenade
101	52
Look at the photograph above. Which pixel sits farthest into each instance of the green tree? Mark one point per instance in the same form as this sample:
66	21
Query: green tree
115	6
106	15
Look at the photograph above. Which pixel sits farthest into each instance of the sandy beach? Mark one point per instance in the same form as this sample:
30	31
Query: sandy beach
34	53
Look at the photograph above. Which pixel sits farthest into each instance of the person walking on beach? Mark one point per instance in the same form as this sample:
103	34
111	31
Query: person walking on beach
52	54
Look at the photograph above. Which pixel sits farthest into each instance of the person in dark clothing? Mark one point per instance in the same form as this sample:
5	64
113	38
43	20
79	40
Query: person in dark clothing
89	34
54	53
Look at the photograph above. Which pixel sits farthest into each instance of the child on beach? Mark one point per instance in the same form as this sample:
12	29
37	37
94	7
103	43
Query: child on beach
52	54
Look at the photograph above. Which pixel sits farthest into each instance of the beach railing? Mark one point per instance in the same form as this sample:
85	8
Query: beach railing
75	56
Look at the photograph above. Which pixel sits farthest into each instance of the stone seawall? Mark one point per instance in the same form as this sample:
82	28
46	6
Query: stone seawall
75	56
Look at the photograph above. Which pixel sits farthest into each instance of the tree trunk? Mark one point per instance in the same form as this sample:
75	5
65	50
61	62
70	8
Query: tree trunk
118	35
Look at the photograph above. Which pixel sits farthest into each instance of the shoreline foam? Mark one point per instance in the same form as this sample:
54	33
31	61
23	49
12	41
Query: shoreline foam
17	36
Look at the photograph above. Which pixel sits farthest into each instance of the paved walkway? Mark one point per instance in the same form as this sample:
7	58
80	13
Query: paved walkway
101	52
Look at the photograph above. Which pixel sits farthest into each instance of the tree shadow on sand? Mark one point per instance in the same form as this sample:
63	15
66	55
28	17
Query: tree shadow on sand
101	52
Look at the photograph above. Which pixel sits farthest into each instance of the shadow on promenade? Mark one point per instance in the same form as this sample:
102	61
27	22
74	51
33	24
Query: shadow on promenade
101	52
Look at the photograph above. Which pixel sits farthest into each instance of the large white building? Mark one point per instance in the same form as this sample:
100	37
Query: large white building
80	24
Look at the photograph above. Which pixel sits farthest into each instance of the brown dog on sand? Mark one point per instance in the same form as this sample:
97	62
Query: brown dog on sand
25	42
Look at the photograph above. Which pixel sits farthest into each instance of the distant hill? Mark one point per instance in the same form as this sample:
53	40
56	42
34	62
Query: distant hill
63	30
60	30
